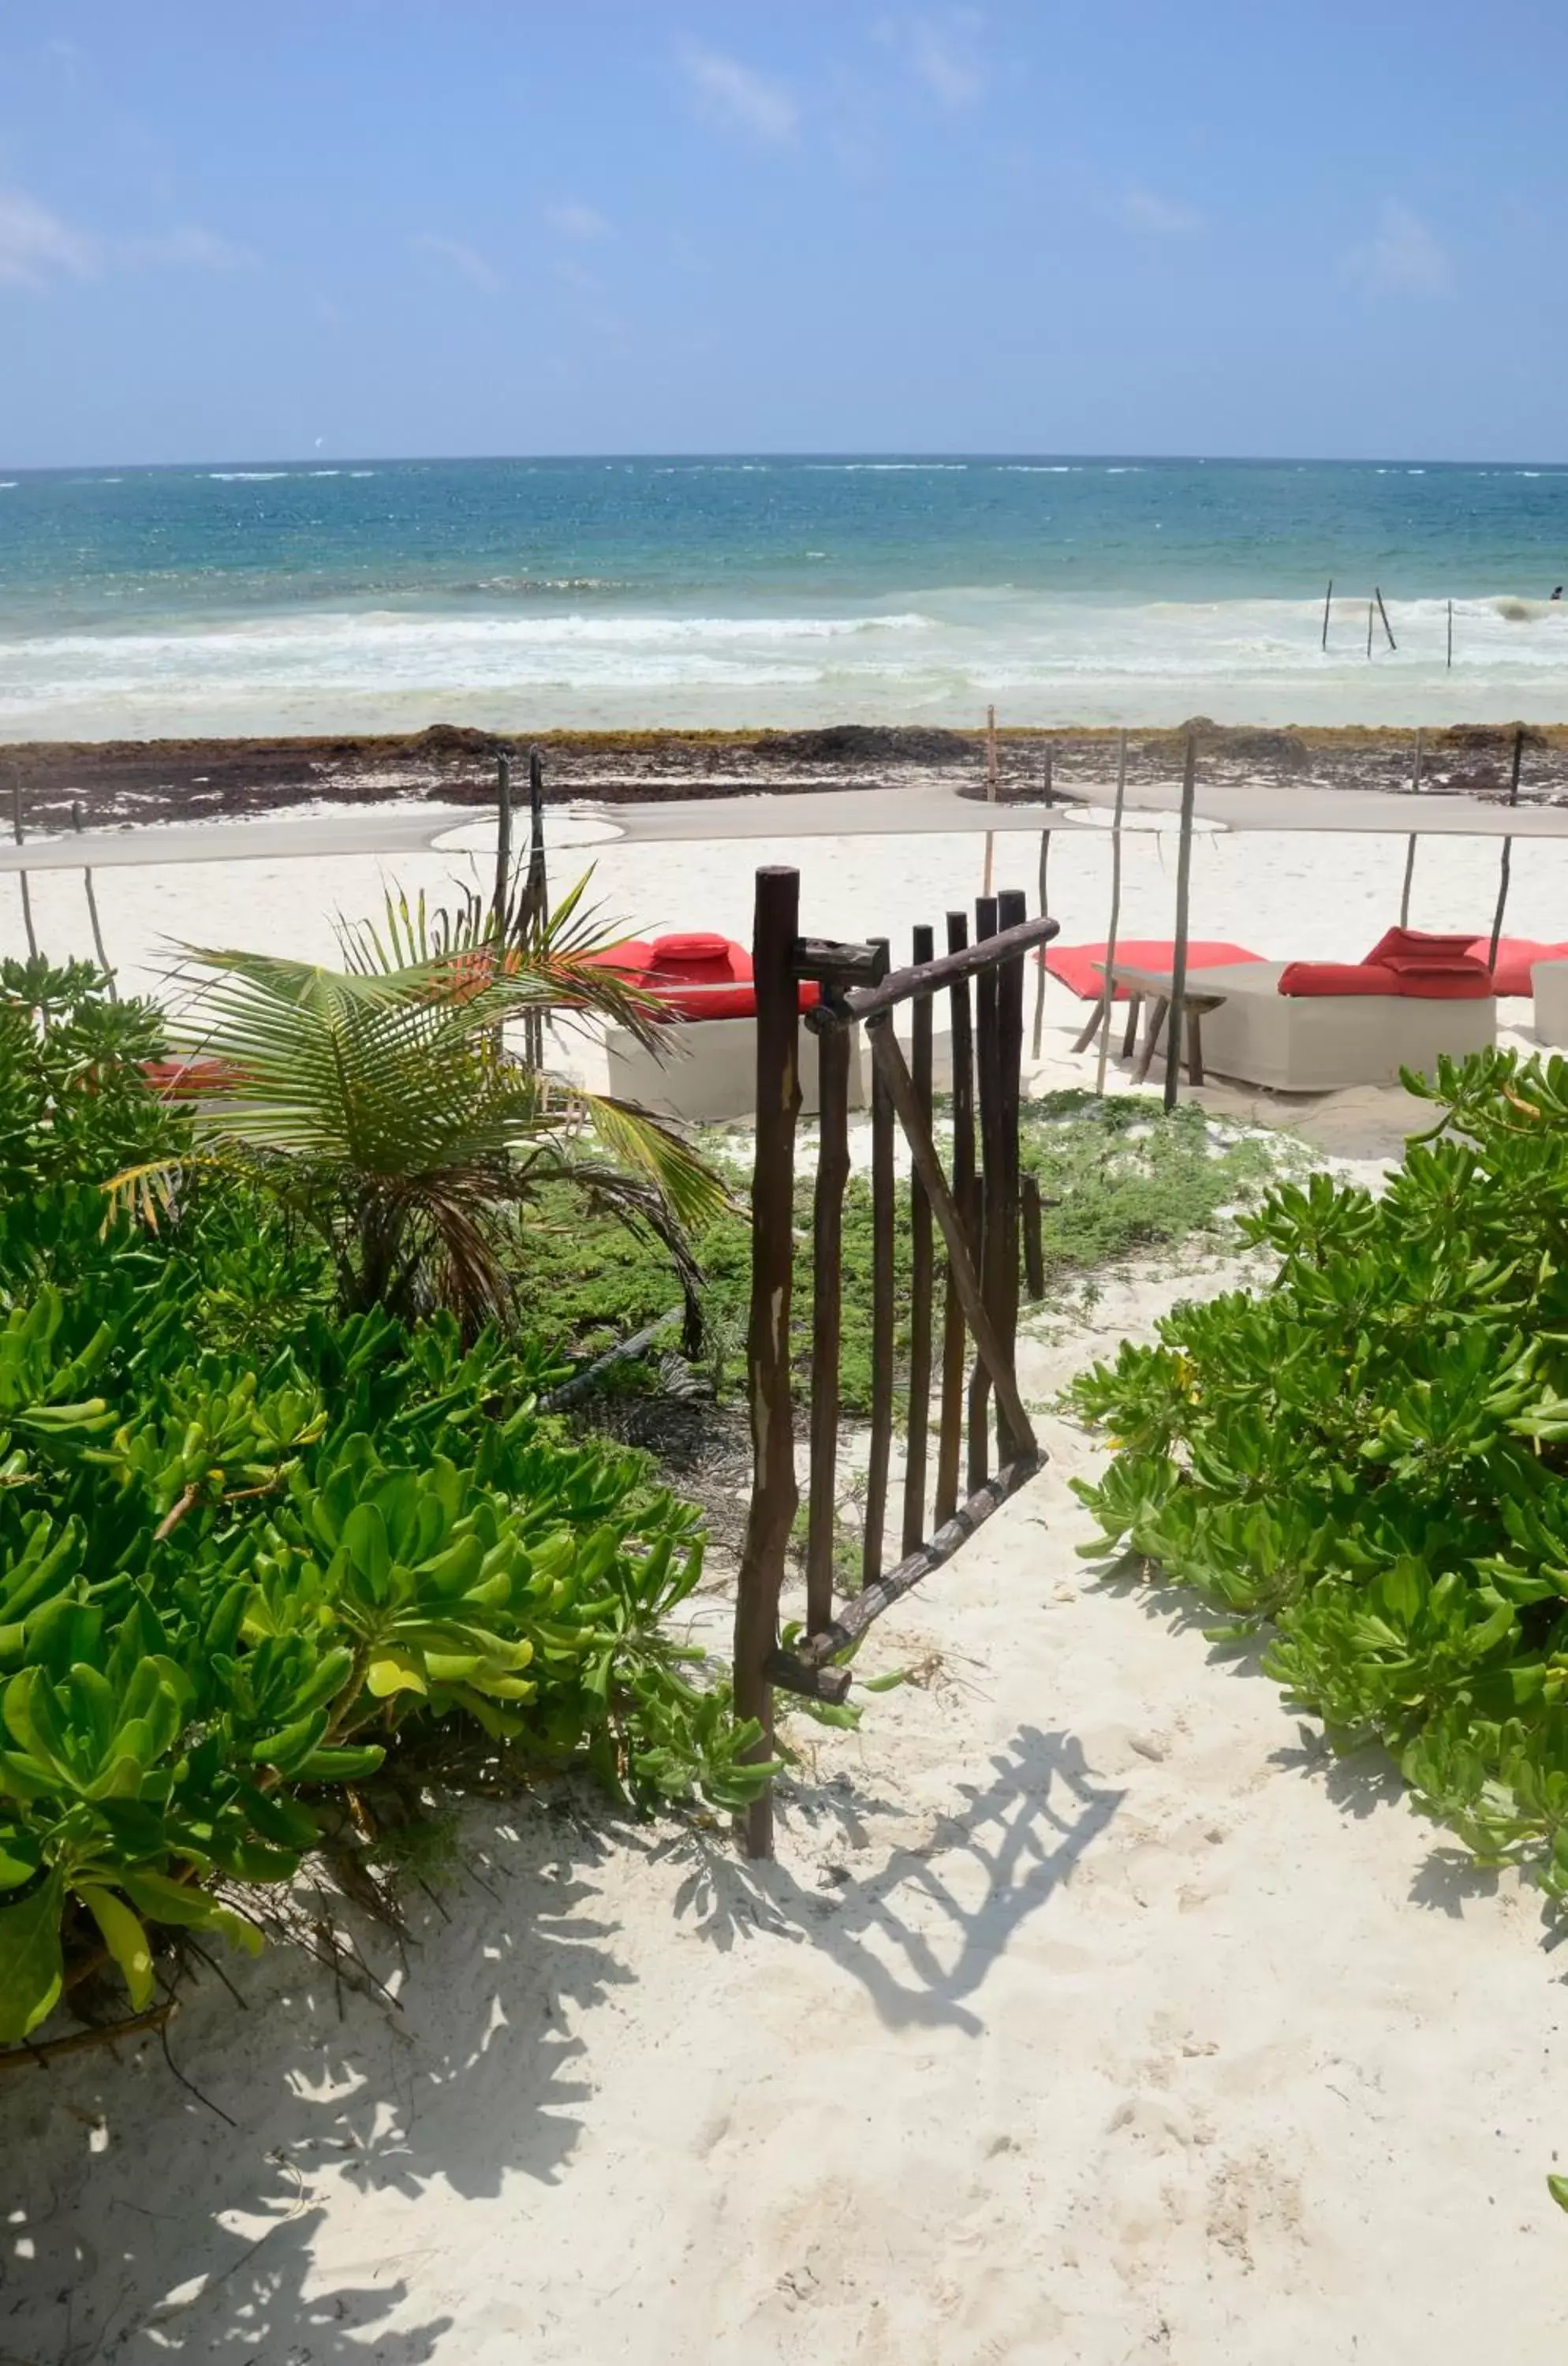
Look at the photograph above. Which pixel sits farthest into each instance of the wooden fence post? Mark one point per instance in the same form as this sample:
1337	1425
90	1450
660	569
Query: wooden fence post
826	1318
914	1527
1327	601
774	1490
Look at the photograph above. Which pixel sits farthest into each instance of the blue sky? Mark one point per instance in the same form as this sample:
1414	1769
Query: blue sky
378	227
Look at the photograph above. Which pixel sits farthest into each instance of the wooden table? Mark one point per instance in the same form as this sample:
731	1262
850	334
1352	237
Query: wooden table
1154	986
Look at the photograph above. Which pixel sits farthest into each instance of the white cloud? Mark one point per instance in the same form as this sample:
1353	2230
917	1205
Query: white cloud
1405	256
738	97
1160	216
187	248
36	247
944	60
573	221
460	261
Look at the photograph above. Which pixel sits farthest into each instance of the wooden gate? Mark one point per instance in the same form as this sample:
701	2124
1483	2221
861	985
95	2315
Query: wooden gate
985	1212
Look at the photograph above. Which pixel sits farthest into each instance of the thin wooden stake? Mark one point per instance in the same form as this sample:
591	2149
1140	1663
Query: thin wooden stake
1328	597
828	1214
991	785
1450	636
1011	907
987	1233
502	898
1040	973
1504	868
883	1221
1033	1242
93	906
21	875
919	1277
888	1061
1371	615
949	1439
773	1491
1173	1027
1115	911
1410	849
1382	612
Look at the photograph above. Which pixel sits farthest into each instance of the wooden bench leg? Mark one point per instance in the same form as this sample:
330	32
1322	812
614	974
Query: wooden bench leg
1194	1032
1151	1040
1135	1005
1092	1028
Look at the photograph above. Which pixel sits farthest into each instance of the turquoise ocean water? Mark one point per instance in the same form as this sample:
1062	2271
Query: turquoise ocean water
385	595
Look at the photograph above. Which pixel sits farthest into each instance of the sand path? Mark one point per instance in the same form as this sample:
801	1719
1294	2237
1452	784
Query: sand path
1089	2015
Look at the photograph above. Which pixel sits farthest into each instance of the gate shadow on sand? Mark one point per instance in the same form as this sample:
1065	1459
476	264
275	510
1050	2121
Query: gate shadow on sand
922	1933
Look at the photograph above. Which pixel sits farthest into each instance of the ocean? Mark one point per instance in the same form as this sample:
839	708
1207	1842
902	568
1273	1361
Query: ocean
532	594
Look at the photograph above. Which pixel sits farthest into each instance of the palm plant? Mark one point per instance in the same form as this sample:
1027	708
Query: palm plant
381	1103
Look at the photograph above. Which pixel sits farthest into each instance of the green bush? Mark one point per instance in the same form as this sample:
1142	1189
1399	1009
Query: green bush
1371	1456
245	1564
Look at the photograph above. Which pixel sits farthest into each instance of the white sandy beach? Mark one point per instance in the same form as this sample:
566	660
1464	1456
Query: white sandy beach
1090	2015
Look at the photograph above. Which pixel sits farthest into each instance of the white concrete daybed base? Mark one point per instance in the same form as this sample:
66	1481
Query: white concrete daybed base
706	1070
1318	1044
1549	981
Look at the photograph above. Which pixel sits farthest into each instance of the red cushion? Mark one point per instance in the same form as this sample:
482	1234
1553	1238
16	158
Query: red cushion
1337	978
1471	983
693	947
632	957
1403	950
1076	964
1516	956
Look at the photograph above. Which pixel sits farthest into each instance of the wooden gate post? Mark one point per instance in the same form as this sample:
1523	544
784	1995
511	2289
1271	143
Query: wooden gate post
773	1490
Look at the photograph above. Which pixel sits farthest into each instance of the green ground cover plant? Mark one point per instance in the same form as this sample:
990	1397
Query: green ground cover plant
1368	1459
266	1563
1119	1176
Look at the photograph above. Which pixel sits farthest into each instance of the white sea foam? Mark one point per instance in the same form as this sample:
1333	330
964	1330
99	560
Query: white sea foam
8	485
247	475
1040	659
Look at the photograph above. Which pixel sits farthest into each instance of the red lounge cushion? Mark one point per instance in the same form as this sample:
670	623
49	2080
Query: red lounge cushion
1516	956
1406	950
633	958
1471	984
1337	978
1076	964
693	949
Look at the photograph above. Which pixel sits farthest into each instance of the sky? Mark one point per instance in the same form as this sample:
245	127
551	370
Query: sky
374	228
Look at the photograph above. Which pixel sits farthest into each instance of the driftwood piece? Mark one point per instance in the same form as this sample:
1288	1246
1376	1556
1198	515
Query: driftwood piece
827	1256
919	1419
828	963
883	1222
773	1490
869	1606
904	984
950	1441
